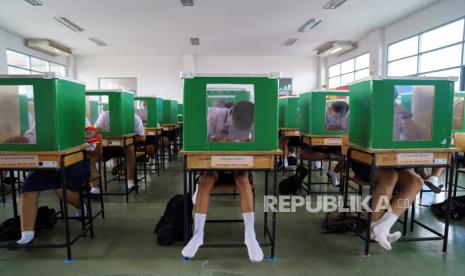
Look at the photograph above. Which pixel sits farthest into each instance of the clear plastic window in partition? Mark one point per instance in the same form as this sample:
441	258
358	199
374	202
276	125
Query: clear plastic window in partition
337	113
17	114
413	112
230	112
458	113
141	110
98	113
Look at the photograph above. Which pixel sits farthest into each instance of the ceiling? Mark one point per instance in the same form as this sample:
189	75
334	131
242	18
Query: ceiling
225	27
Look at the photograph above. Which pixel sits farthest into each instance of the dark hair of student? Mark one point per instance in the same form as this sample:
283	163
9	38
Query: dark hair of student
243	115
341	107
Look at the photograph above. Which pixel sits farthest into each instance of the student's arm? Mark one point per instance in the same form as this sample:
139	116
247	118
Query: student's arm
138	128
103	122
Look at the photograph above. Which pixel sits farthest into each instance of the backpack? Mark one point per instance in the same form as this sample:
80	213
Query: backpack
170	227
292	184
457	208
340	223
10	229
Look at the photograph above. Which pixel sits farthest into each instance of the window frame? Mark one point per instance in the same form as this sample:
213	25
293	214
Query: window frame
420	53
30	64
354	71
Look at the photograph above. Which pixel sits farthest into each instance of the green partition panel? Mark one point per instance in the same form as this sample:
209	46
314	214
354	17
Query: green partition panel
170	112
121	108
312	111
458	123
265	114
180	112
59	107
374	123
154	110
288	112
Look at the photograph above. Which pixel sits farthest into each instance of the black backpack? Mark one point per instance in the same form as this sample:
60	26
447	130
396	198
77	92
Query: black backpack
457	208
292	184
170	228
10	229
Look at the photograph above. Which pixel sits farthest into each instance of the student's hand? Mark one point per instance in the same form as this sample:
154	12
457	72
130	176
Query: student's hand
17	140
406	114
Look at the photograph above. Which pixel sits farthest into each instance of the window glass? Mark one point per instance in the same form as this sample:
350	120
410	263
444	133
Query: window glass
230	112
447	73
334	82
347	78
17	71
337	113
444	58
362	74
40	65
58	69
362	62
404	67
17	120
403	48
335	70
348	66
413	112
17	59
458	113
442	36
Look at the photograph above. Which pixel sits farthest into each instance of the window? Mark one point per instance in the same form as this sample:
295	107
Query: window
21	64
436	53
348	71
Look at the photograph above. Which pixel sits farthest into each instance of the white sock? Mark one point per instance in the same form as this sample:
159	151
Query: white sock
381	230
95	190
433	180
286	163
333	177
130	183
197	239
26	236
79	211
318	165
194	197
250	240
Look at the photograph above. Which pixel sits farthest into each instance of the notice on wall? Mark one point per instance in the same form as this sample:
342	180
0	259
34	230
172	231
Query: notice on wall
17	161
232	162
415	158
333	141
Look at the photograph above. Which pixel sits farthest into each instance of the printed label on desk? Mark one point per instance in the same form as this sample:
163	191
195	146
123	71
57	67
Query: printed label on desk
232	161
415	158
150	133
440	161
48	164
111	143
332	141
19	161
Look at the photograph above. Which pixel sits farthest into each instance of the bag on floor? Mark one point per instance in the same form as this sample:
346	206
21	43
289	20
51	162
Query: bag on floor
46	218
170	228
291	161
10	230
457	208
292	184
338	223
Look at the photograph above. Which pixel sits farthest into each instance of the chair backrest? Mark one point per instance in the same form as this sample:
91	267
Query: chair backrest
459	141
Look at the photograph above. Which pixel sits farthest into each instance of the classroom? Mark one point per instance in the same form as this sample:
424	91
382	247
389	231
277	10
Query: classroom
227	138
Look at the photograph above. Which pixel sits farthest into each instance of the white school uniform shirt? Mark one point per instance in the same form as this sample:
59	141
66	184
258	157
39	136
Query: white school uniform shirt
220	125
103	123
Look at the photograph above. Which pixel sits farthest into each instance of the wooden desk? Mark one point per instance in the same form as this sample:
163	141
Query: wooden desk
232	161
157	132
403	158
48	160
289	132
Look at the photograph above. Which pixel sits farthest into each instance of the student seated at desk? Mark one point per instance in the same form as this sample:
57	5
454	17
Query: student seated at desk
103	125
38	181
227	124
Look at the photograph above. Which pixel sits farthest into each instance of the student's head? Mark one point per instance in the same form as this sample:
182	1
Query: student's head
243	115
340	107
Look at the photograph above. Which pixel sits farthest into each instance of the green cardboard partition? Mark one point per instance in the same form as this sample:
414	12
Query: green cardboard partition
121	107
288	111
458	122
58	107
170	112
312	112
154	110
265	128
180	112
379	120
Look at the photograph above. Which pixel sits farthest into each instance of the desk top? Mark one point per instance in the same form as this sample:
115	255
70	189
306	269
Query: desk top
320	136
232	153
114	137
375	151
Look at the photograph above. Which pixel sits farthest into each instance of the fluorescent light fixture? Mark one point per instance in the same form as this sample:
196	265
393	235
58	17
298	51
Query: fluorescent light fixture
49	47
98	41
333	4
69	24
188	3
334	48
195	41
312	23
289	42
35	2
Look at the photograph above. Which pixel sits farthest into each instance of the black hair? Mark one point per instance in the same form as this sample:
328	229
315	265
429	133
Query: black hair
243	115
341	107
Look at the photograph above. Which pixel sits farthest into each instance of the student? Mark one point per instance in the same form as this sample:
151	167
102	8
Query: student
227	124
38	181
103	125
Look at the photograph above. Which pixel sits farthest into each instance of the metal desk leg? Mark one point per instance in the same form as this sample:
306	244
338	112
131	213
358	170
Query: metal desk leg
186	209
266	213
275	194
13	193
65	208
370	204
449	194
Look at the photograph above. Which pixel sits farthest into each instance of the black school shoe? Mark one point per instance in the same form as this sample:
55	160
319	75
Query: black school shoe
133	188
17	246
434	188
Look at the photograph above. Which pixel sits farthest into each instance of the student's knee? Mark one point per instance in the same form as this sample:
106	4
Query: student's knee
28	196
242	180
391	175
207	181
417	182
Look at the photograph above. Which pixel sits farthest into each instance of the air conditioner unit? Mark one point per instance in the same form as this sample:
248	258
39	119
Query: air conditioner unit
334	48
49	47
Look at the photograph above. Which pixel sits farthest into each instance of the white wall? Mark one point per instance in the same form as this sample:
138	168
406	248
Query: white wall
17	43
156	75
303	70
